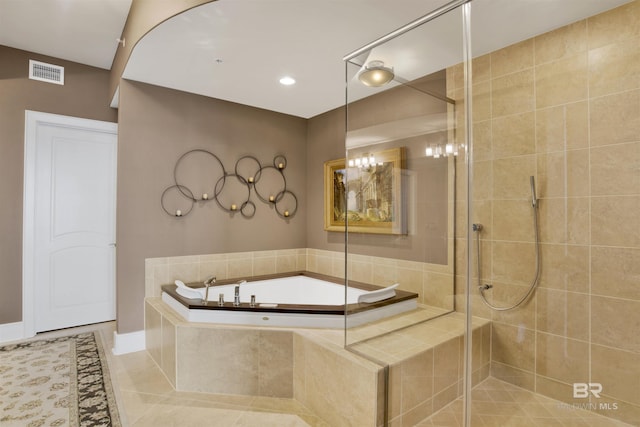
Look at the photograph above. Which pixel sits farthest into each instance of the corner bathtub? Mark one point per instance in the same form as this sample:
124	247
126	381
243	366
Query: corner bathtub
300	300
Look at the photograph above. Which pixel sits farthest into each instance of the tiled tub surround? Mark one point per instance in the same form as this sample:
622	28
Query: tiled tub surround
219	359
287	363
312	366
308	365
426	365
564	107
432	282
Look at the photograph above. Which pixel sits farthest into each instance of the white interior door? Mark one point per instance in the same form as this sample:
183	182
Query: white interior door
72	163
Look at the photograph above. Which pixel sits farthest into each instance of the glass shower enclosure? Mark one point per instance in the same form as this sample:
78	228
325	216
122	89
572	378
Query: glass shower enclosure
493	170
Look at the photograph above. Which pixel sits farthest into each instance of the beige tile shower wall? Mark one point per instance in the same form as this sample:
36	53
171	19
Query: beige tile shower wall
431	281
565	108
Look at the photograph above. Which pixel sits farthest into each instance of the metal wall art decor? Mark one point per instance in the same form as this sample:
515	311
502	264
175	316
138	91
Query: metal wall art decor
231	190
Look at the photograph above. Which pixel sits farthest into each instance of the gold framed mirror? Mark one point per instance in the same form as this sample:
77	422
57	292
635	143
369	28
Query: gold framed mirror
368	190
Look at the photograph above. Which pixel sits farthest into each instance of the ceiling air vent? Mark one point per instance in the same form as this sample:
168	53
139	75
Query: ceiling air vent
46	72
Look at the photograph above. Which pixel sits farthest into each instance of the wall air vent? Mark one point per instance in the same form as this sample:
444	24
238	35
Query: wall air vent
46	72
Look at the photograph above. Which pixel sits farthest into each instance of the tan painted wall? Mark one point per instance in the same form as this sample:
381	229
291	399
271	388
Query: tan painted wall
84	94
325	141
158	125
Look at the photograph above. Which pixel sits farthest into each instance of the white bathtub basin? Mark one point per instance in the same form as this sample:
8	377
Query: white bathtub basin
295	301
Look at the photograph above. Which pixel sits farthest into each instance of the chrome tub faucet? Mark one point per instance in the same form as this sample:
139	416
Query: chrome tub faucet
211	280
236	293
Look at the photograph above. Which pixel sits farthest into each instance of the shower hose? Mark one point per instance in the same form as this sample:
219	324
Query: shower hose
482	288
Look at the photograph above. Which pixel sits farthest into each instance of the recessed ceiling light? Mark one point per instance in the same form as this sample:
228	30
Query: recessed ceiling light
287	80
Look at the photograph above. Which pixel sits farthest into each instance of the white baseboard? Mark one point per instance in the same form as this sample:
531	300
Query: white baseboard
128	343
12	332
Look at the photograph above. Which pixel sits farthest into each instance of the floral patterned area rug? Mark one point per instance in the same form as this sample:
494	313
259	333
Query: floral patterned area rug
56	382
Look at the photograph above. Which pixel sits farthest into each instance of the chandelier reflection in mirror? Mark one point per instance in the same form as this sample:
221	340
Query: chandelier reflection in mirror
364	161
231	191
443	150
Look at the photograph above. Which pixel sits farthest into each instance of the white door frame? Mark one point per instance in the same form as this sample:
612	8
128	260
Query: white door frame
31	122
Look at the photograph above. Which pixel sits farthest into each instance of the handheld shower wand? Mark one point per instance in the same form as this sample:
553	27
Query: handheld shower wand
477	228
534	200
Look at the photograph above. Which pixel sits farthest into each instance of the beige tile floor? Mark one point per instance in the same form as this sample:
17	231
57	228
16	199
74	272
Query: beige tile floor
146	398
496	403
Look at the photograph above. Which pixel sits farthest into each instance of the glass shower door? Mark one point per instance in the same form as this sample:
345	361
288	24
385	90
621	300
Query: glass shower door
397	185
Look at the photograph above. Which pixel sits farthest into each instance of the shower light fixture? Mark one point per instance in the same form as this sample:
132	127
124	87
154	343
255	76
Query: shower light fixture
375	74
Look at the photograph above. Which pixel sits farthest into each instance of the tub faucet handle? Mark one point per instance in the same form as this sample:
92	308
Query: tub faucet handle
236	296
